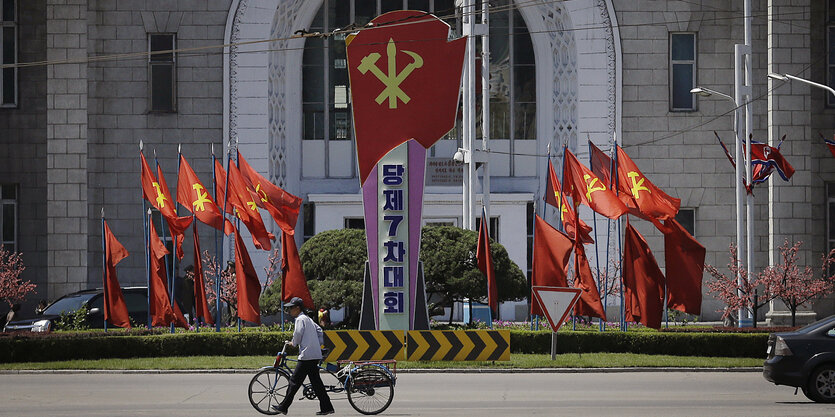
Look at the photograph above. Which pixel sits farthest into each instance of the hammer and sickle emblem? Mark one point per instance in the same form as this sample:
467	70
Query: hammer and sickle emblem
202	198
393	79
590	188
262	193
160	197
562	204
637	185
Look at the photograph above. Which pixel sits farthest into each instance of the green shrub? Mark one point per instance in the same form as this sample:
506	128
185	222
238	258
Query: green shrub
76	320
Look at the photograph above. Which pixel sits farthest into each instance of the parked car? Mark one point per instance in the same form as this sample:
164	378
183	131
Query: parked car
804	358
136	299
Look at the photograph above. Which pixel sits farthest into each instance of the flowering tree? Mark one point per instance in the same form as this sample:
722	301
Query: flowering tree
735	294
12	289
796	287
228	285
611	282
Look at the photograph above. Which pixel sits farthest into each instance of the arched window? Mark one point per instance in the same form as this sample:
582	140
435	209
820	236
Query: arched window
325	92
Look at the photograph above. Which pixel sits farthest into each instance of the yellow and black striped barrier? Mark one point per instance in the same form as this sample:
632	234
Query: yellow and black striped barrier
458	345
365	345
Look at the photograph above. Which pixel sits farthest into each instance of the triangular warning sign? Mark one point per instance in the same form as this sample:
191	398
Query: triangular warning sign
556	302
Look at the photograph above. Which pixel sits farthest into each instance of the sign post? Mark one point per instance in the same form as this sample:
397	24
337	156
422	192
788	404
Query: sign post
556	302
405	77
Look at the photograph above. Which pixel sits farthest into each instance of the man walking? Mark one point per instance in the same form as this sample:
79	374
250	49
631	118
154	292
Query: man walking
309	338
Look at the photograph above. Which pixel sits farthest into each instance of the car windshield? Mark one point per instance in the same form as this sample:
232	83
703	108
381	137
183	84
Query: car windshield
816	325
68	303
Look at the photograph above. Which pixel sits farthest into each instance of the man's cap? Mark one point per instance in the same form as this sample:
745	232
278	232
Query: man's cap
295	301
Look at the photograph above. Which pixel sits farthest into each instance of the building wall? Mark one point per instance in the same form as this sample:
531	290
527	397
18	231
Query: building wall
23	147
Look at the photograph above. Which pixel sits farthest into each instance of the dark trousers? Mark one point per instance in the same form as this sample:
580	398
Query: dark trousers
309	369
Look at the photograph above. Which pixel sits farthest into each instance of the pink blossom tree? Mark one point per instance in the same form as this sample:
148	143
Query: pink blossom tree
794	286
738	295
228	285
12	289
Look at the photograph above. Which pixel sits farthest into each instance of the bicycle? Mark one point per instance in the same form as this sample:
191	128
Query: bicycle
368	384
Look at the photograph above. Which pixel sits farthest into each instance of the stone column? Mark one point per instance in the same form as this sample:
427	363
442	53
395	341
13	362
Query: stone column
66	158
789	113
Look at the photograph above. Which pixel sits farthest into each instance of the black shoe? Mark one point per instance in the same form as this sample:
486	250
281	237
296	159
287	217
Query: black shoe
324	413
278	410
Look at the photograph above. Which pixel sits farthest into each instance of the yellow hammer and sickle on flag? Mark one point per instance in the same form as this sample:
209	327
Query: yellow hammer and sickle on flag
262	193
393	79
637	185
201	198
590	188
562	204
160	197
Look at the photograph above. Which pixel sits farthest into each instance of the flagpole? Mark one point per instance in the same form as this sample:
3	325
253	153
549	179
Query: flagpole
145	233
104	269
194	274
608	234
148	263
174	261
559	216
225	202
596	251
616	180
173	246
218	246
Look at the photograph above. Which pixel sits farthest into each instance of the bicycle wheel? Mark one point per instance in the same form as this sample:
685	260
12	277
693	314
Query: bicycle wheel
267	389
370	391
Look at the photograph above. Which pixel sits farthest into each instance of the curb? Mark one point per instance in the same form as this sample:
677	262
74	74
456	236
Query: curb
399	371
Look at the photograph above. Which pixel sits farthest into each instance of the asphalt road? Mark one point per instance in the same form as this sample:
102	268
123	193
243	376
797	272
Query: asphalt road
443	394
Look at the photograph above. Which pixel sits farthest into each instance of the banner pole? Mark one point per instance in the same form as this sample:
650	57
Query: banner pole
225	202
218	246
173	246
616	180
596	251
148	263
106	305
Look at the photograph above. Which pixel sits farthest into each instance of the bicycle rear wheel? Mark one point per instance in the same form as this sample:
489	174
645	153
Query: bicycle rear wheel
370	391
267	389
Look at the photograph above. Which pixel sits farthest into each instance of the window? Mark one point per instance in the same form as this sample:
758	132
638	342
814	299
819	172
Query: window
686	217
308	221
162	72
355	223
494	227
682	71
8	53
830	50
8	213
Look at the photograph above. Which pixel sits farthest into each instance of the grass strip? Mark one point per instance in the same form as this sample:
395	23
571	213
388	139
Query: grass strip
517	361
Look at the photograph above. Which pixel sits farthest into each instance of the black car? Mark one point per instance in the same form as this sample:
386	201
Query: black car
136	299
804	358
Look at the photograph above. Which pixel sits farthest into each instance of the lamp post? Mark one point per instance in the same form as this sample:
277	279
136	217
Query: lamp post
789	77
707	92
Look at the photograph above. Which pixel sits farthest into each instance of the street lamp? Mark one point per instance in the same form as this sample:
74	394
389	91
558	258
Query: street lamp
789	77
707	92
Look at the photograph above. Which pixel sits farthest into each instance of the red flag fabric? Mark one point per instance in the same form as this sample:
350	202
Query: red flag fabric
586	188
644	198
293	282
766	159
162	313
601	164
685	264
421	103
551	253
242	199
193	195
249	287
485	264
589	303
831	146
201	305
555	197
282	206
176	225
643	281
115	309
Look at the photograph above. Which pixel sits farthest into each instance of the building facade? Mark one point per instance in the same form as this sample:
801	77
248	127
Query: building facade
218	74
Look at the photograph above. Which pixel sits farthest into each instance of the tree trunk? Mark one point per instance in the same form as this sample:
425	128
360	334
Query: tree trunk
451	308
794	314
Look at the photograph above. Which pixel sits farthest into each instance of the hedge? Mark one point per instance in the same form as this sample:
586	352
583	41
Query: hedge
23	347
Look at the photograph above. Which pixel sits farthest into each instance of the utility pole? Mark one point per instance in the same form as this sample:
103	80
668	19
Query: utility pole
749	123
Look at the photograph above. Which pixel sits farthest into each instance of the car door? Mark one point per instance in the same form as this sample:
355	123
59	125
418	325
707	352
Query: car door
137	303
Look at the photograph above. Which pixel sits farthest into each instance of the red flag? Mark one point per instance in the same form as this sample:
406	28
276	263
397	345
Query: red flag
157	193
589	303
645	199
555	197
766	159
115	309
293	282
551	253
176	225
282	206
585	187
193	195
830	145
485	264
249	287
685	263
201	306
243	200
162	313
643	281
601	164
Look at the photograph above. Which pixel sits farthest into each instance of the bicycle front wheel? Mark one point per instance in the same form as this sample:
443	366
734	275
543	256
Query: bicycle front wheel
370	391
267	389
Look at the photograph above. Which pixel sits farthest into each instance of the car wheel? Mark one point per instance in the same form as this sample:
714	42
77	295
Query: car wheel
821	385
